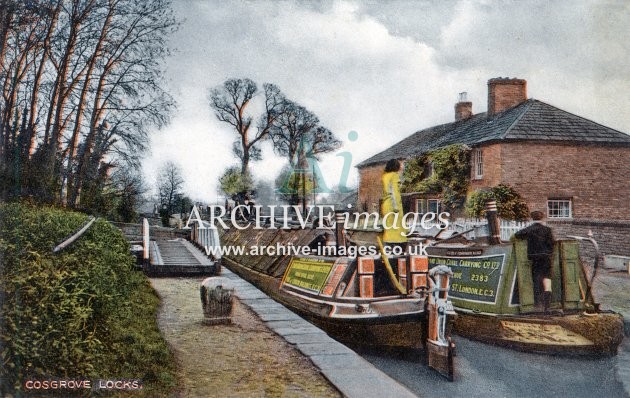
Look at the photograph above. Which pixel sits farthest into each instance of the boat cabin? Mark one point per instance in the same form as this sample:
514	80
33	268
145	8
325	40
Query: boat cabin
498	279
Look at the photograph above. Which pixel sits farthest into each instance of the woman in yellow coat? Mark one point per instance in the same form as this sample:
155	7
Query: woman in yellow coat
391	207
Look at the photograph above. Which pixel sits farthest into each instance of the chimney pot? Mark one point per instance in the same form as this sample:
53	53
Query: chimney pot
463	108
505	93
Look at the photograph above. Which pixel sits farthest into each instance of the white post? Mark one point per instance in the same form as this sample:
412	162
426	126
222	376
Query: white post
145	240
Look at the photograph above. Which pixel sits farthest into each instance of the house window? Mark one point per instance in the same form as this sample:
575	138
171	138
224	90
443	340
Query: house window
433	206
427	206
559	208
421	206
477	164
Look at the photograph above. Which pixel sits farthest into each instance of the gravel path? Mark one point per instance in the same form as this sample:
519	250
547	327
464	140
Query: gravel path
244	359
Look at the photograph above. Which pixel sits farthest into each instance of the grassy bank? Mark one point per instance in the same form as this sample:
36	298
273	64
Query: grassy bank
83	312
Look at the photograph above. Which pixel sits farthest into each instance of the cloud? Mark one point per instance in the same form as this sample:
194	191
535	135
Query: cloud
570	52
344	66
384	69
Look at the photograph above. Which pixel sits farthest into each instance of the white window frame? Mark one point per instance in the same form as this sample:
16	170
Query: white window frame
478	164
421	206
556	208
438	204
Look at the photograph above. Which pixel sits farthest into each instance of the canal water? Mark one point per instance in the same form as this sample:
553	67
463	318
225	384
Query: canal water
483	370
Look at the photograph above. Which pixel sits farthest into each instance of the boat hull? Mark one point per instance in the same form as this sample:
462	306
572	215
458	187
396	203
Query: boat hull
569	334
400	330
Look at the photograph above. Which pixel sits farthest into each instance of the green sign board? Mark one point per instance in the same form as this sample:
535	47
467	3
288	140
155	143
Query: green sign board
474	278
308	273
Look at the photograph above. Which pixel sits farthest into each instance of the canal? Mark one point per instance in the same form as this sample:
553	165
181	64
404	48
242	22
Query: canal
483	370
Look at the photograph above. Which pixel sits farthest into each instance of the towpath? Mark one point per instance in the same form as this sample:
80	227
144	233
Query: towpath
245	359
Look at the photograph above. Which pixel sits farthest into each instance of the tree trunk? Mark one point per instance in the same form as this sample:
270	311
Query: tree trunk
245	163
68	175
52	147
31	130
6	17
9	114
89	140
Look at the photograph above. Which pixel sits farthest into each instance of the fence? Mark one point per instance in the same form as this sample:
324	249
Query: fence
479	227
508	228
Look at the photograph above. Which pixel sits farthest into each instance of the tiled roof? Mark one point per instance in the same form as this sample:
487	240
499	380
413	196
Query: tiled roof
532	120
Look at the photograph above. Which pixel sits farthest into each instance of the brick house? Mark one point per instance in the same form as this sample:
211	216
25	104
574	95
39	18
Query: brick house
574	169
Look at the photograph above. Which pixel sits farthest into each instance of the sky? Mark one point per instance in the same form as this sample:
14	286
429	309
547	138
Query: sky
384	69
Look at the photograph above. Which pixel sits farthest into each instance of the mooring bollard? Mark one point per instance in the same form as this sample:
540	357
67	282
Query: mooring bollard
216	300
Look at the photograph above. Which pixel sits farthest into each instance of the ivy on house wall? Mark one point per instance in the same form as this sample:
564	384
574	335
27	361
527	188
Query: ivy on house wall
450	177
510	204
415	175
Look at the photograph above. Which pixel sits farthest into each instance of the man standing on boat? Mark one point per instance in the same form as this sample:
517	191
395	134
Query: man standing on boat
539	250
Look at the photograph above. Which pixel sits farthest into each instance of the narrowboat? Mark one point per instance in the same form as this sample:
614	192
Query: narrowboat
492	292
359	300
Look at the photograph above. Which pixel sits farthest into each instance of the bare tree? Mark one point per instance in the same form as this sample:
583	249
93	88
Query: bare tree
297	134
127	97
81	85
69	74
230	102
169	186
129	188
82	99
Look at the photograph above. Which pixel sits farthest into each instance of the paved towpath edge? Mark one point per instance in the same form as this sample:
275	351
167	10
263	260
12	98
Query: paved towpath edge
345	369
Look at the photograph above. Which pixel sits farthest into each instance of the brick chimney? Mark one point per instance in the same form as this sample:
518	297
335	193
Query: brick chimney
505	93
463	108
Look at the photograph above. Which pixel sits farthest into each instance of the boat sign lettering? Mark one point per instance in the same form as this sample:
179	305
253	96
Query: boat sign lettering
307	274
474	278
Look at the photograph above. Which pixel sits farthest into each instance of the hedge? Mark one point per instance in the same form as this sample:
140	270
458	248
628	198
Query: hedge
83	312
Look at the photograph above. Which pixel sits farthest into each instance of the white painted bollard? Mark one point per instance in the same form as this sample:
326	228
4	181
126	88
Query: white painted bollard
216	300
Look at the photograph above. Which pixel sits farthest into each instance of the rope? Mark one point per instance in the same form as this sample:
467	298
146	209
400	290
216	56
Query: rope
390	273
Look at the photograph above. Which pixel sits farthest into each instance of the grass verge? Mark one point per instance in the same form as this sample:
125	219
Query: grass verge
80	313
